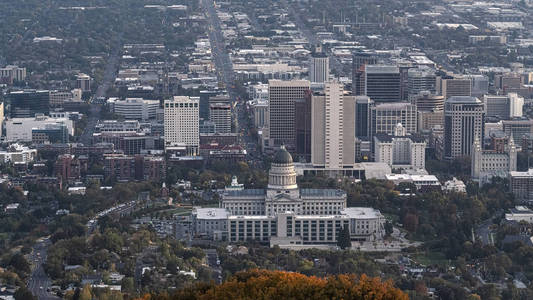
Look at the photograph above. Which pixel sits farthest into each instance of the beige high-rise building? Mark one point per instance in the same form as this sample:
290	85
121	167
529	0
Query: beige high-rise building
319	68
182	123
281	120
333	128
456	86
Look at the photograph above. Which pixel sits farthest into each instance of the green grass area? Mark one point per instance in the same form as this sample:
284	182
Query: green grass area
430	258
179	211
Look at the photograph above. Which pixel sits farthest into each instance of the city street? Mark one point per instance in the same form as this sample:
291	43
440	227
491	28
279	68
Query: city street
39	283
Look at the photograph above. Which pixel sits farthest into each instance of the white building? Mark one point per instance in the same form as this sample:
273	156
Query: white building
455	185
20	129
288	216
400	151
182	123
520	214
17	153
134	108
13	73
319	68
420	181
489	163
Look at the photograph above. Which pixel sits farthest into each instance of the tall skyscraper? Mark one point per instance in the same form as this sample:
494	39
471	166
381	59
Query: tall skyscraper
464	119
363	116
382	83
319	68
182	123
359	60
220	114
282	96
27	103
303	128
333	128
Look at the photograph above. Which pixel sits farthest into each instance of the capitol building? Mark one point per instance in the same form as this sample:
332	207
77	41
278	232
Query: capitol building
284	214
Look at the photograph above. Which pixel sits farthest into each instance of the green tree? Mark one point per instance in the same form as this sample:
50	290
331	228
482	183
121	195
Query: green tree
24	294
128	285
388	228
343	239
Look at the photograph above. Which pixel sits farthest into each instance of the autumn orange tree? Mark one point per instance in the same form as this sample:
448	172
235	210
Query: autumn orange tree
264	284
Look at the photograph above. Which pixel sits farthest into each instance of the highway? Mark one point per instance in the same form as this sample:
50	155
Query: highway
39	282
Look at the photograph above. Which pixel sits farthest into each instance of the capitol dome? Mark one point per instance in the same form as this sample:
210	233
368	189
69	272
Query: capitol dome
282	156
282	175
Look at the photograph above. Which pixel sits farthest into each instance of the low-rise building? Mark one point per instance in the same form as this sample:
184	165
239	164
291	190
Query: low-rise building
519	214
400	151
455	185
17	153
422	182
21	129
134	108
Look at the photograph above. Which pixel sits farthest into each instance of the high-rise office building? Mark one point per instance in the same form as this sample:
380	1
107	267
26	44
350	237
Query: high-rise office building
333	128
480	85
382	83
83	82
504	107
421	79
464	119
386	116
282	96
359	60
430	110
425	101
220	114
27	103
319	68
363	116
458	86
182	123
205	95
507	81
302	109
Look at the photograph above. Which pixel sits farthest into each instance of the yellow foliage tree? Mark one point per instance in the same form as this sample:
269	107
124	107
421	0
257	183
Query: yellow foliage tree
264	284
